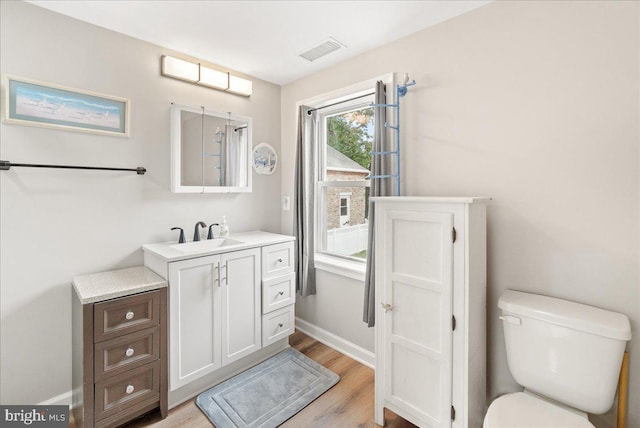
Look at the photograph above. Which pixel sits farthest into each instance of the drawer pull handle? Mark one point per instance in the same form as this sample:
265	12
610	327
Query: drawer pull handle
280	293
129	315
129	352
129	389
280	325
279	260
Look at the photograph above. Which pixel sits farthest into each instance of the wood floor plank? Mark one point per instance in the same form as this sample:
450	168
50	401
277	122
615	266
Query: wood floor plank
348	404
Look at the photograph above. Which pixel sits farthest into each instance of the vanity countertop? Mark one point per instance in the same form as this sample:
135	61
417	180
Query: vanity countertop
97	287
172	251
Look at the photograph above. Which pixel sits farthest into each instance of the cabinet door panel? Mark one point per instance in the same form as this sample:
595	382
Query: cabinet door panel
418	285
241	304
195	313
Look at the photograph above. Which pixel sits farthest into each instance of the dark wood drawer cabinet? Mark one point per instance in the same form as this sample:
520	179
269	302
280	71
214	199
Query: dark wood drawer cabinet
118	394
119	358
116	317
127	352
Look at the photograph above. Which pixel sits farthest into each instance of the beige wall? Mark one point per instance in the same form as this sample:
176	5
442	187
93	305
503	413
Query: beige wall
535	104
55	224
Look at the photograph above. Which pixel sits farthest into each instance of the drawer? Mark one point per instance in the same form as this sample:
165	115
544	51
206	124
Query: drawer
126	352
277	259
278	292
118	393
277	325
126	315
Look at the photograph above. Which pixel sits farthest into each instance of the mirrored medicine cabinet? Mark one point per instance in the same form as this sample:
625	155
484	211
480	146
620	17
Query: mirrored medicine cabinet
210	151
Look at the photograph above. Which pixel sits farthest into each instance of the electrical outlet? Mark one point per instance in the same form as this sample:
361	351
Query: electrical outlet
286	203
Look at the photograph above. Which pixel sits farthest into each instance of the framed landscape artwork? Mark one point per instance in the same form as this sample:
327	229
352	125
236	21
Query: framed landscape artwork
28	102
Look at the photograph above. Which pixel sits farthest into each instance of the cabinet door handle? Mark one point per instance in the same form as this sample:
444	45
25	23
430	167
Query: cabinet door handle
129	389
129	315
386	306
217	279
226	273
129	352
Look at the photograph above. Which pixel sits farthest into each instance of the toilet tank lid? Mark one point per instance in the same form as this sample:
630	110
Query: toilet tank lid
567	314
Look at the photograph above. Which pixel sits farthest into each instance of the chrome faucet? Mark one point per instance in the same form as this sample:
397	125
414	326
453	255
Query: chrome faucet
196	231
210	234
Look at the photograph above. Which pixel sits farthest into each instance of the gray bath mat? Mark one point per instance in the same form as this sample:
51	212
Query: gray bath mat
268	394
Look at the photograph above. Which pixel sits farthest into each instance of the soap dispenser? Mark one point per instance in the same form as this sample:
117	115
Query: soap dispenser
224	228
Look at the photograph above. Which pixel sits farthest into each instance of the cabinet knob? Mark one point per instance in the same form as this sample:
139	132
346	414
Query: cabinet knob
129	315
280	325
279	260
280	293
386	306
129	352
129	389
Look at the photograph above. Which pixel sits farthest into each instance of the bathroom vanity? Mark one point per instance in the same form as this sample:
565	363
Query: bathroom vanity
231	305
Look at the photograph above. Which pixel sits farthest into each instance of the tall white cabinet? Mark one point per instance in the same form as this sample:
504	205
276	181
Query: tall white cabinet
430	269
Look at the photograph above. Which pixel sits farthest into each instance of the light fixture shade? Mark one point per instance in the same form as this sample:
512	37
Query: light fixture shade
241	86
213	78
179	69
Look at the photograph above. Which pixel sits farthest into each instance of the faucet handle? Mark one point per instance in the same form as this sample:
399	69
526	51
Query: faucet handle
210	234
181	240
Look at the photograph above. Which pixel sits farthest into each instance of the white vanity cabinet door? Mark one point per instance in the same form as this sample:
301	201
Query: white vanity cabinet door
195	301
241	304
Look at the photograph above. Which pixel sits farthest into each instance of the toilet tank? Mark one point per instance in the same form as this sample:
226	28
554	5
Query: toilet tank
564	350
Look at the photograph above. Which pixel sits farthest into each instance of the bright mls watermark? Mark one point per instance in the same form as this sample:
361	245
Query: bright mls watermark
34	416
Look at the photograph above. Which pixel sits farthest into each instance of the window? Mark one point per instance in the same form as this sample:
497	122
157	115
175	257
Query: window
344	156
345	199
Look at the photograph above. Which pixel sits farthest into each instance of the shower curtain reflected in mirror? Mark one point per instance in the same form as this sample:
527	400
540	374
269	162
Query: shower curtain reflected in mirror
235	155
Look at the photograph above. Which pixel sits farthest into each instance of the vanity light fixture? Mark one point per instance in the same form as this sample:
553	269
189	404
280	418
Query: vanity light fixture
179	69
205	76
241	86
214	78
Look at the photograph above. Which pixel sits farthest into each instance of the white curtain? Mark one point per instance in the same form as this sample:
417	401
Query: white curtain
380	165
304	201
235	155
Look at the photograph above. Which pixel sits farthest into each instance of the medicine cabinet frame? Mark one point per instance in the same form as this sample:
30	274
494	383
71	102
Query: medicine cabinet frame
176	133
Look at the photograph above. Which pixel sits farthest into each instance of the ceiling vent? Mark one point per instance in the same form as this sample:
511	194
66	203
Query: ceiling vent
324	48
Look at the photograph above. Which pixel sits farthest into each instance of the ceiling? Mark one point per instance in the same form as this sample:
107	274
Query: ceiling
263	38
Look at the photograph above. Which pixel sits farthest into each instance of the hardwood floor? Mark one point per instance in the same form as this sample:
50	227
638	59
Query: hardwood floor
349	404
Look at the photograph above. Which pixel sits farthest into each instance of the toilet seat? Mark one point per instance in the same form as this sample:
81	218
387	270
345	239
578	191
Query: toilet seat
523	410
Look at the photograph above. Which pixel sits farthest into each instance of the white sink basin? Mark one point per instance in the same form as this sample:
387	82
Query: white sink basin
205	245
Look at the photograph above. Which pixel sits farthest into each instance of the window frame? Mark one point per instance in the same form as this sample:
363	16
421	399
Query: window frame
322	184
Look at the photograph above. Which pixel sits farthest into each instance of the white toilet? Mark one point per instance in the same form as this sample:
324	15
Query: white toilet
565	354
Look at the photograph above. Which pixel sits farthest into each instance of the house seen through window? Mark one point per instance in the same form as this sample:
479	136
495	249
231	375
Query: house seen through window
346	136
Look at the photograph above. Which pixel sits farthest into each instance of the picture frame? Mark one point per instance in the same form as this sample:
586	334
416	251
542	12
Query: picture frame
34	103
265	159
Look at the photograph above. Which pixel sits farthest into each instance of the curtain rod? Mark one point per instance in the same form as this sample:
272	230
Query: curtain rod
6	165
339	102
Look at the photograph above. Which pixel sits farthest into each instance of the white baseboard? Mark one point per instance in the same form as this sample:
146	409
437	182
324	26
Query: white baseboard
59	400
341	345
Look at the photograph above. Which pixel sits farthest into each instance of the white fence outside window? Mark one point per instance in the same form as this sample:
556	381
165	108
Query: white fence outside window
348	240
